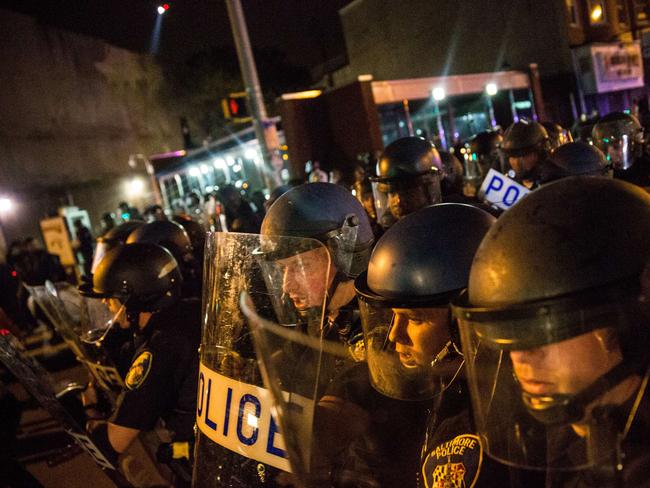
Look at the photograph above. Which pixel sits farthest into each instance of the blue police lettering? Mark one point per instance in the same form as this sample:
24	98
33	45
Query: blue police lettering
270	447
201	393
226	420
250	409
512	190
210	423
493	184
249	441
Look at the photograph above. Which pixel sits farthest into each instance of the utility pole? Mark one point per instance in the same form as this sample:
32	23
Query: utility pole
265	130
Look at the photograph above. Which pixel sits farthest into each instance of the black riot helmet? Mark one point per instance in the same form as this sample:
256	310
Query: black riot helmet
421	262
143	276
408	178
620	137
328	213
112	238
525	137
485	143
555	286
167	234
195	232
576	159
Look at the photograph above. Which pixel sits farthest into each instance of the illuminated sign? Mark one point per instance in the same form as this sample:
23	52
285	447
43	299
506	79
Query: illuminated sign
604	68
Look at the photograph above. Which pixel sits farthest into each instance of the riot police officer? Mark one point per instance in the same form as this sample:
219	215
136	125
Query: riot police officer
407	179
412	346
620	137
173	237
526	147
330	214
299	272
160	361
485	145
575	159
558	364
113	238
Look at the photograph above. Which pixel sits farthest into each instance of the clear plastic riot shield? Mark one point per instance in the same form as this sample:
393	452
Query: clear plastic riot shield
298	370
36	381
83	324
239	442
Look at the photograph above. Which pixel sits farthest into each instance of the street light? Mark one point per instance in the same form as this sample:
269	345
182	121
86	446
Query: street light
439	95
6	204
491	89
163	8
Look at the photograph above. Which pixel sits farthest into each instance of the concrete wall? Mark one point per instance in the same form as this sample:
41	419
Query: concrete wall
421	38
72	110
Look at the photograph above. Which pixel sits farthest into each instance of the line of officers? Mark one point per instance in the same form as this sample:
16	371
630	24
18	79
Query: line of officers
477	351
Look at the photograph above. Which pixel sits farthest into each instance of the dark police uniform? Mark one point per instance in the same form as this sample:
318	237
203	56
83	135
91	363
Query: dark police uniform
161	381
633	455
453	457
387	453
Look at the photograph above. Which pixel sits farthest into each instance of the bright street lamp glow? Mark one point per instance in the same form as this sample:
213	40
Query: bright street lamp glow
6	205
161	10
204	169
219	163
491	89
439	93
135	187
597	13
194	171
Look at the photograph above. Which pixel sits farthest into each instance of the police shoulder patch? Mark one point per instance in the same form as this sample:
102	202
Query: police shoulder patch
453	464
139	370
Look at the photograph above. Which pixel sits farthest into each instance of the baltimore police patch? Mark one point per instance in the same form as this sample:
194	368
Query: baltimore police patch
453	464
138	371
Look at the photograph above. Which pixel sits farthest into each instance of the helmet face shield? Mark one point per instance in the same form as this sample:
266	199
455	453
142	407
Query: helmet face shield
98	316
398	197
620	140
409	350
538	388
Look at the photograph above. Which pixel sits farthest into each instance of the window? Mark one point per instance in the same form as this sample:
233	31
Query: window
621	12
572	12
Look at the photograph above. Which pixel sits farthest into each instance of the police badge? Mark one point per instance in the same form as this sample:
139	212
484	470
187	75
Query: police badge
454	464
139	370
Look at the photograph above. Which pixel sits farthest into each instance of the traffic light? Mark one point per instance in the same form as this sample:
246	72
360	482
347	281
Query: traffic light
235	107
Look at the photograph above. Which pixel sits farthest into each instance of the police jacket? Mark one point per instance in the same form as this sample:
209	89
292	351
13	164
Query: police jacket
161	381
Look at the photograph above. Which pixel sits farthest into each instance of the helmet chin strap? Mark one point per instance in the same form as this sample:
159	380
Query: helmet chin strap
566	409
133	319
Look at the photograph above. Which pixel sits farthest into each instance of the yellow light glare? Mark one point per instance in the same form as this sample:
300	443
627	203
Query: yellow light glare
597	13
302	95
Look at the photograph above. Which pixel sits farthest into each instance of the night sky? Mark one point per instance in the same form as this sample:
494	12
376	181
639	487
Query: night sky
307	31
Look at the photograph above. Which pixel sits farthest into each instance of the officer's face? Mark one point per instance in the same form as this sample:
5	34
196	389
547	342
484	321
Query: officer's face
568	366
406	200
419	334
523	164
114	305
306	277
